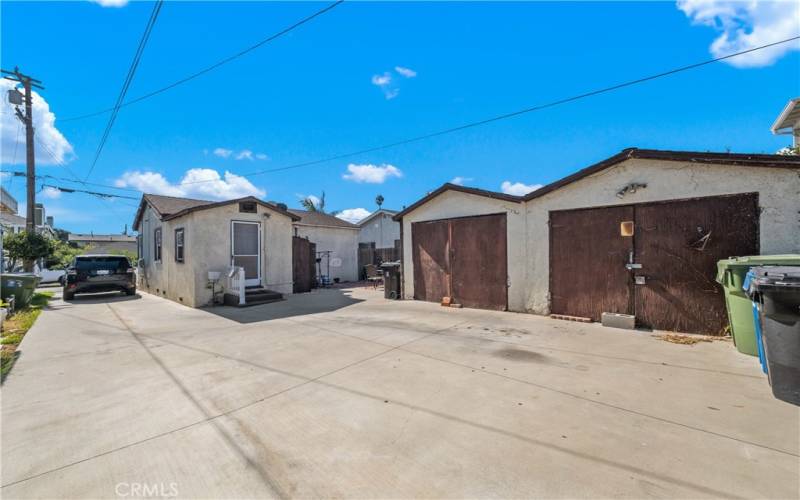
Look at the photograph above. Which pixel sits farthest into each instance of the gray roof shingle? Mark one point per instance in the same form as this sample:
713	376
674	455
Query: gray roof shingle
320	219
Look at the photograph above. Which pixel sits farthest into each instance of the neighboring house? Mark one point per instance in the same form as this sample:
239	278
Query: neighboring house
638	233
788	122
379	228
11	222
336	240
105	243
378	238
181	240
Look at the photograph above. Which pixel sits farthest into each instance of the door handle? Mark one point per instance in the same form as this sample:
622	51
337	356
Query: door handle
631	266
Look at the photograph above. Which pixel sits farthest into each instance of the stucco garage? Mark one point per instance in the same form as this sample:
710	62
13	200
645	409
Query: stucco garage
462	257
632	177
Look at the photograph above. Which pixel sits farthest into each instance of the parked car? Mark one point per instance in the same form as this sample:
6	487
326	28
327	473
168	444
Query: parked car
51	275
99	273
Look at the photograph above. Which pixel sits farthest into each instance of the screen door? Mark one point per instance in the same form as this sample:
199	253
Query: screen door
245	250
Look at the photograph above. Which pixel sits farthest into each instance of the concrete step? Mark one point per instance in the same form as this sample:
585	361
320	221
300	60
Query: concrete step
253	296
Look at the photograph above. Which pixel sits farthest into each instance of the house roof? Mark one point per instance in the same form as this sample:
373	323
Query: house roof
171	207
101	237
737	159
375	214
788	119
319	219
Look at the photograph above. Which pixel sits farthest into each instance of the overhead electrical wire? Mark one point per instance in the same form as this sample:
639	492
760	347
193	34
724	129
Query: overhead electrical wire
506	115
94	193
127	83
209	68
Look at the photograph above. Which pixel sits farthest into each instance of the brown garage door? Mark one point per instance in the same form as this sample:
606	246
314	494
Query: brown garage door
582	240
677	243
463	258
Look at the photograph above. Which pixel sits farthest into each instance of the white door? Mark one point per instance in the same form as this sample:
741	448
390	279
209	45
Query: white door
246	250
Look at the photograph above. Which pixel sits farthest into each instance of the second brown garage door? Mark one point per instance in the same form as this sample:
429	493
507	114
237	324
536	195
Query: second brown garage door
463	258
672	255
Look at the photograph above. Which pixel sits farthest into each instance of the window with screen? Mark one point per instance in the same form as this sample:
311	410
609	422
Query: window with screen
157	245
179	244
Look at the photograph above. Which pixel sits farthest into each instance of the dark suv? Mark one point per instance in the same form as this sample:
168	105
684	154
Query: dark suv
99	273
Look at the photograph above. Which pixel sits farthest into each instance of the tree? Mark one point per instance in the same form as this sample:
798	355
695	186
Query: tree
64	253
27	247
379	201
314	204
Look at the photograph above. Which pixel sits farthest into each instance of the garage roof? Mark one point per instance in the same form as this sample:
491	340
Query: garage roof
737	159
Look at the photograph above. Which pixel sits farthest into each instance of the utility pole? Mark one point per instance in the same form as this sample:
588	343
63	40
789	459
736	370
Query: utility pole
27	118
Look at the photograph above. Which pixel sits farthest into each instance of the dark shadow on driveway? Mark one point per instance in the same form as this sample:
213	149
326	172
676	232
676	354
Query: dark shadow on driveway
299	304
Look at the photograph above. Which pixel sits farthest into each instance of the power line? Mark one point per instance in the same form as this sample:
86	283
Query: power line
78	179
94	193
505	115
210	68
128	79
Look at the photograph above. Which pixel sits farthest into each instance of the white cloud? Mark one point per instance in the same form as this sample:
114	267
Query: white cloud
245	154
353	214
222	152
382	80
110	3
12	132
518	188
212	187
371	174
745	25
460	181
50	193
406	72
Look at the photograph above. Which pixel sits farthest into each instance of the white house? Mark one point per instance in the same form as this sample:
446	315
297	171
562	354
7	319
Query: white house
638	233
379	228
181	240
336	241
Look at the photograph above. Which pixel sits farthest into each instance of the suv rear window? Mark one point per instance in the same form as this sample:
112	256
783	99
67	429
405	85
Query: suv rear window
95	263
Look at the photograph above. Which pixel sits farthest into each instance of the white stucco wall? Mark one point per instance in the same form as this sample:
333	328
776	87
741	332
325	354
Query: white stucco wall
457	204
207	240
381	229
343	244
779	198
528	230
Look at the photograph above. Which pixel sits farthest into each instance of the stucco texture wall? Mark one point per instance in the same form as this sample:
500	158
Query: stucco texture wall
779	198
207	237
381	230
457	204
528	230
342	242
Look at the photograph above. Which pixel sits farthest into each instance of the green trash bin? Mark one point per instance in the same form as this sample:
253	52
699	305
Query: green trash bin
730	274
20	286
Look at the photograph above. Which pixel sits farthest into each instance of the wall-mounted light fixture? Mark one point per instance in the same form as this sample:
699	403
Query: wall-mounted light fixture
630	188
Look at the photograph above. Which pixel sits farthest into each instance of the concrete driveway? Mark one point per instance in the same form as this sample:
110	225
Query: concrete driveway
340	393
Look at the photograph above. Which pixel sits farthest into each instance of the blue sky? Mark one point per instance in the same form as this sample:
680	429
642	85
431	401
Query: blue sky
321	91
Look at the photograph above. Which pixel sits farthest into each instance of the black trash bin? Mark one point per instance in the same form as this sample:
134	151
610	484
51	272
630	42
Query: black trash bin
391	280
779	290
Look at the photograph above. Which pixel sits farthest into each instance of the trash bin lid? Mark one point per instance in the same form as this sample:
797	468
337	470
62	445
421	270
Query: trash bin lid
776	276
755	260
391	264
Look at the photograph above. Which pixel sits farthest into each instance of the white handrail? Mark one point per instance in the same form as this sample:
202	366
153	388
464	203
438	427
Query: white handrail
236	282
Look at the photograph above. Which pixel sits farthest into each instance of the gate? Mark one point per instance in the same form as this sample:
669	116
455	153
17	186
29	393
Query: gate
304	255
464	258
672	256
